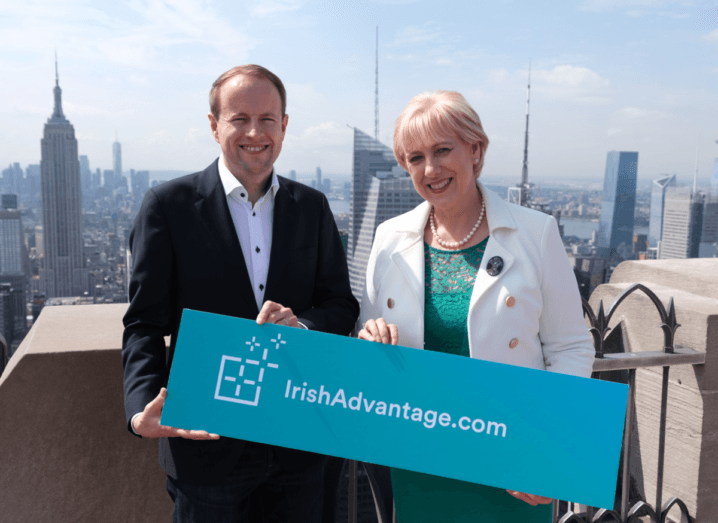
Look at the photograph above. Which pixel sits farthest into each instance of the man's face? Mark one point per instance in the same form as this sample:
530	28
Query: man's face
250	128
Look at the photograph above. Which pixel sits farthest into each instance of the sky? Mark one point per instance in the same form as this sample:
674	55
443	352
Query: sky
630	75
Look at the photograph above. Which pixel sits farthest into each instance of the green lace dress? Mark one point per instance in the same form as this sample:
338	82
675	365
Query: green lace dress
418	498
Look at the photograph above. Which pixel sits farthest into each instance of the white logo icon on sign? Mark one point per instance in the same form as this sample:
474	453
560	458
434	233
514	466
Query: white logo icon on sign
240	379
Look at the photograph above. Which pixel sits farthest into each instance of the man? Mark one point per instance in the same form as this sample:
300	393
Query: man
237	240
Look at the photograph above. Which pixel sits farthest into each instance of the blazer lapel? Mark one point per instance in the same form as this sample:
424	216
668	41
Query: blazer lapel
214	213
410	261
501	222
283	229
484	281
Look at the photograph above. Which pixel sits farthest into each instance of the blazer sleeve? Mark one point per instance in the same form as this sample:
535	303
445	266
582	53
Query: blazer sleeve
334	307
149	317
567	345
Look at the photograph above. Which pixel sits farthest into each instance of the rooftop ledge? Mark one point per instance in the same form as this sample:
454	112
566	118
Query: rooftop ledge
67	454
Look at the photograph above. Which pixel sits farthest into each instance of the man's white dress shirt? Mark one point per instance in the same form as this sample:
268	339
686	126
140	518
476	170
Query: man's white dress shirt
253	225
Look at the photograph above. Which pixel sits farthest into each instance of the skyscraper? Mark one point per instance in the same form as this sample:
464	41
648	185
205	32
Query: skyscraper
658	197
140	183
714	181
682	224
319	178
117	159
615	230
63	273
13	265
381	190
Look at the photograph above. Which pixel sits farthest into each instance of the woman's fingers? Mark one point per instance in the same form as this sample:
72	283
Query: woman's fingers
380	331
531	499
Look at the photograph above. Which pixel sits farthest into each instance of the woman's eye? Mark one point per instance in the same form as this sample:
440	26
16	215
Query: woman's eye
415	159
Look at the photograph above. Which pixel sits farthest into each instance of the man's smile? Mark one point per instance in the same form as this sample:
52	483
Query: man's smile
254	148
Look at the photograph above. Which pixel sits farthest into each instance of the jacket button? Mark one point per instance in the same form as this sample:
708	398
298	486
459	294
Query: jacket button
390	303
510	301
513	343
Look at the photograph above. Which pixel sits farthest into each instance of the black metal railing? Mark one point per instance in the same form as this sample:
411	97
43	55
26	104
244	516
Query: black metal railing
669	356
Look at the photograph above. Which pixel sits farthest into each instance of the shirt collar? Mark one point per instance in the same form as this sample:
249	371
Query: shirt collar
233	187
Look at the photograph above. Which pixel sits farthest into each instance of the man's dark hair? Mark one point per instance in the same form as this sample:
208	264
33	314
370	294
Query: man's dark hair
257	71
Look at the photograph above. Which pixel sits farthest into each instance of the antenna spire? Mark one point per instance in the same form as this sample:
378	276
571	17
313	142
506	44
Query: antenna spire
57	111
695	174
376	90
524	191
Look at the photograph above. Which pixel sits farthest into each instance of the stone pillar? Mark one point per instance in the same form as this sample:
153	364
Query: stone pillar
691	456
67	455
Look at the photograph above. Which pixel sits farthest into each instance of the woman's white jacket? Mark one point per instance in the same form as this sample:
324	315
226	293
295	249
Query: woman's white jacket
544	329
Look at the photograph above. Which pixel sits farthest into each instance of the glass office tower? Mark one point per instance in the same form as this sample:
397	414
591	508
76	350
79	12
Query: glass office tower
615	231
658	200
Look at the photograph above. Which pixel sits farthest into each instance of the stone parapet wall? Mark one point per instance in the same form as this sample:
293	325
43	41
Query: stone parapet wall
691	458
66	453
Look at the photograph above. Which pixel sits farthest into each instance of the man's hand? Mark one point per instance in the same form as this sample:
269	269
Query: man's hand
278	314
147	424
379	331
530	498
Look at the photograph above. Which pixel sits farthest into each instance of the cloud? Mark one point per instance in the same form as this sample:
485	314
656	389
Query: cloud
270	7
444	61
138	80
326	133
572	82
137	34
564	82
416	34
408	57
712	36
602	6
635	113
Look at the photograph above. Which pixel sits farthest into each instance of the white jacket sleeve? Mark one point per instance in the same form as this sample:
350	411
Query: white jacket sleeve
567	344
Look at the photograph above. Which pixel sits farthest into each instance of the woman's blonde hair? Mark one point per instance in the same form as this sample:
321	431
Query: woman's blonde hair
429	116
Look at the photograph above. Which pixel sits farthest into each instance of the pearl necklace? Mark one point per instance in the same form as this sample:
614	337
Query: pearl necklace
456	245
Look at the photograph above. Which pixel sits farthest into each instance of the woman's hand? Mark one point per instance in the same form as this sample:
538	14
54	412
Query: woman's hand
530	498
379	330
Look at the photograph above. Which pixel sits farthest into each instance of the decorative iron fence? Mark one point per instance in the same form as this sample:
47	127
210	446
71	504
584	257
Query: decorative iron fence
669	356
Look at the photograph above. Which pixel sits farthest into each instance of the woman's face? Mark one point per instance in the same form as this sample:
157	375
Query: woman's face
443	171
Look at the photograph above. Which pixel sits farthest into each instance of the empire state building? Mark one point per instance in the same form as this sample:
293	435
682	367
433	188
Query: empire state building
64	272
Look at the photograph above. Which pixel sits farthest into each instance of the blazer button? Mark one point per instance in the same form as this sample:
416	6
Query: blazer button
513	343
510	301
390	303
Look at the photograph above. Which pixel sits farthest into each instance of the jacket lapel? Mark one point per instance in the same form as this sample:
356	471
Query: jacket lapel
501	222
410	261
283	228
484	281
410	257
214	213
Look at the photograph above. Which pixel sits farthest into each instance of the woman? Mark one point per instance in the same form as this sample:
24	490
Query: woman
467	273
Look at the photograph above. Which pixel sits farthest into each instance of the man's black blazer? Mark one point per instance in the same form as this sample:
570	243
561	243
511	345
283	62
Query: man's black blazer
186	254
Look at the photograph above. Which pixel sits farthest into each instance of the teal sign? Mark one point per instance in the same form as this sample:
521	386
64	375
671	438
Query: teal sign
489	423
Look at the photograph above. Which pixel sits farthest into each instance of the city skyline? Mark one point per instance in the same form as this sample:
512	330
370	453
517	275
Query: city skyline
633	75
